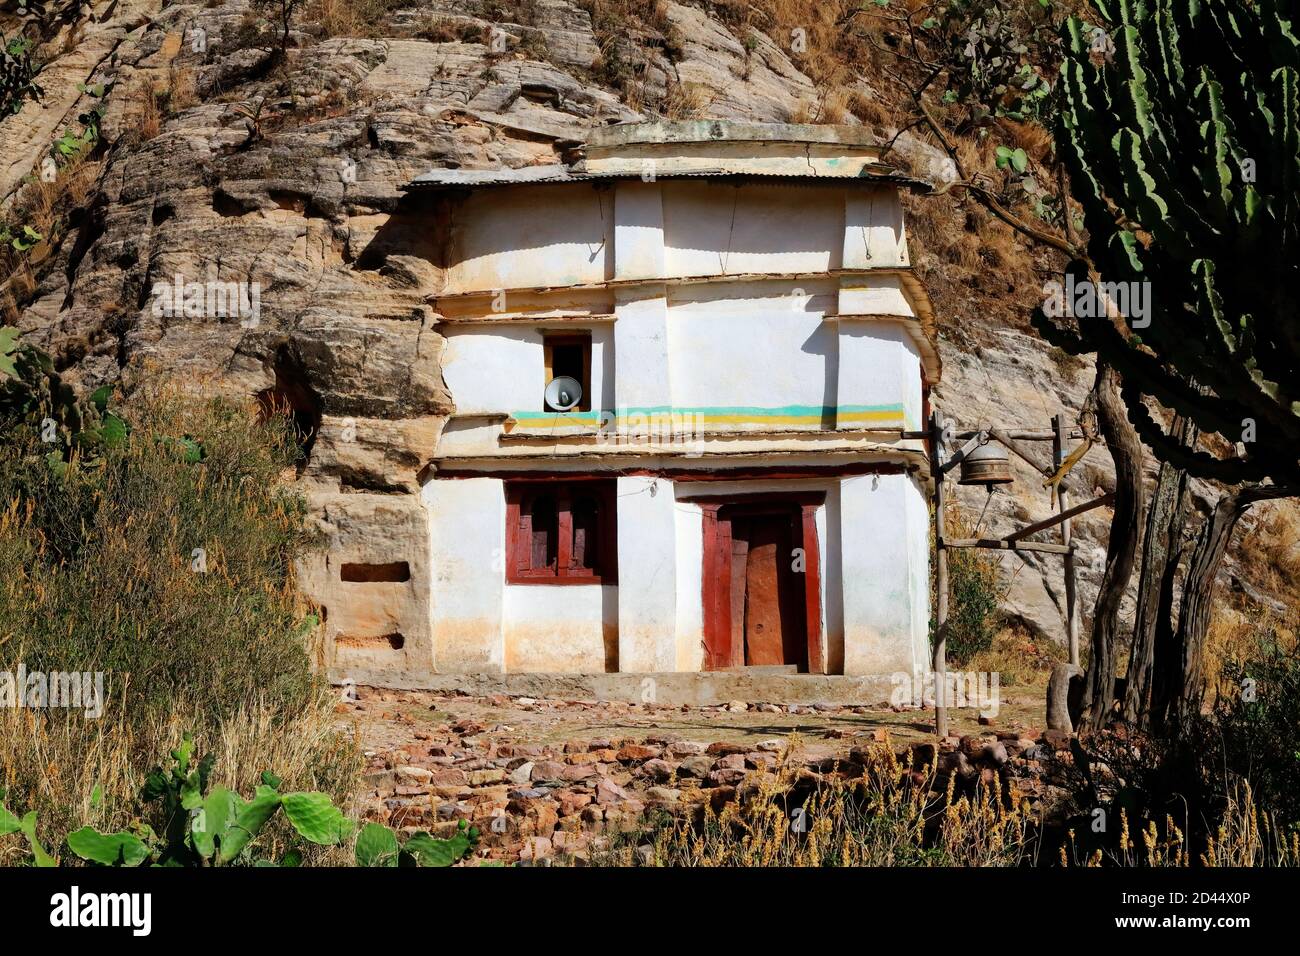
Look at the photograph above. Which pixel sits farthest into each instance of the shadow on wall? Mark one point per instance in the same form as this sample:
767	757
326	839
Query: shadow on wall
293	395
418	226
825	341
609	622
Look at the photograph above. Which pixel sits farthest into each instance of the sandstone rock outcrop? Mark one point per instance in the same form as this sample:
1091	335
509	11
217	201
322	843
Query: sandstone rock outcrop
288	174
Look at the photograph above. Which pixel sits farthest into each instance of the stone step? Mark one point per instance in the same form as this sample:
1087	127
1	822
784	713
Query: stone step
697	689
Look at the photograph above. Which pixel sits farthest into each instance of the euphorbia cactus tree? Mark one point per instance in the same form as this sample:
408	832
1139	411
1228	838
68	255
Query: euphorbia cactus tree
1180	127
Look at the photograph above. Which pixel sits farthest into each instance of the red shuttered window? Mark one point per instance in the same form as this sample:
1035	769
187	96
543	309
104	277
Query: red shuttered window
561	532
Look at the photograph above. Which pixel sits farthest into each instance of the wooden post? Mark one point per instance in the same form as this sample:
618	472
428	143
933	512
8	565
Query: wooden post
940	664
1071	583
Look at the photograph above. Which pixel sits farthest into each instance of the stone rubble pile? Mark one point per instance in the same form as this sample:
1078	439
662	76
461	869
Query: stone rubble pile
533	801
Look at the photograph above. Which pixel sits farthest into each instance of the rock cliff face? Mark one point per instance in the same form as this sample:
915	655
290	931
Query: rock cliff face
221	160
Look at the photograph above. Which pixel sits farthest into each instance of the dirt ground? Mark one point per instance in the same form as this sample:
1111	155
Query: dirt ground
388	720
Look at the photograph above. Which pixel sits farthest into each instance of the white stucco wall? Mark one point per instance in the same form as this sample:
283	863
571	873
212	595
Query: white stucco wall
795	349
879	382
561	628
642	377
638	231
885	575
647	574
531	236
688	525
874	234
918	542
501	368
482	624
751	355
467	523
873	559
754	355
722	229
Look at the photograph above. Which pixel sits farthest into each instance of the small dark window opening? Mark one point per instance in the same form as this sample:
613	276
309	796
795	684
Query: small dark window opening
561	532
586	534
392	571
569	355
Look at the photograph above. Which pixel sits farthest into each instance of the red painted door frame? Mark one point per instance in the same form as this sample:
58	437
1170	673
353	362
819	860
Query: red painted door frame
718	650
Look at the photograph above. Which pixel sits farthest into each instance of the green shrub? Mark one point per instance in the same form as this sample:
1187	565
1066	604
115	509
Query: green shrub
1228	787
170	575
159	552
974	593
1255	733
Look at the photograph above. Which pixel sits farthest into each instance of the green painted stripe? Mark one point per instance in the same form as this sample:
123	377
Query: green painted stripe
757	411
813	415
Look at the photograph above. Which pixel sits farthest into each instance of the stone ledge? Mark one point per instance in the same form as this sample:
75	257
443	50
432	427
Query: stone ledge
668	689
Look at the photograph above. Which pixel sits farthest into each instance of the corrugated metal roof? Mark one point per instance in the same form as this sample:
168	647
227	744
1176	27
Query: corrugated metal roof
443	179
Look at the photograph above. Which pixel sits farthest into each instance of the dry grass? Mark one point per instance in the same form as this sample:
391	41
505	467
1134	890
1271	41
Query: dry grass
957	248
885	817
1235	638
351	18
1231	637
97	575
1033	138
147	115
52	761
335	17
1270	550
1247	836
889	816
182	90
17	289
43	206
687	101
1269	556
830	105
1018	657
976	155
869	110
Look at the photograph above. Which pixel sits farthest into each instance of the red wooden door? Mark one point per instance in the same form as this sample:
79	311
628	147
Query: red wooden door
764	622
739	571
758	608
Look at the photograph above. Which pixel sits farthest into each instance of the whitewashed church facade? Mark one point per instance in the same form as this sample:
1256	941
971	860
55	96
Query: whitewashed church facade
684	367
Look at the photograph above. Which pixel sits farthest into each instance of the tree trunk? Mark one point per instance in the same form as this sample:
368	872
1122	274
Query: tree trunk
1166	657
1166	516
1121	550
1181	702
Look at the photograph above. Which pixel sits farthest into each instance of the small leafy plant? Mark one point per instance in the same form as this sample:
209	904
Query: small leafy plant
27	827
31	390
23	239
1016	158
17	75
377	846
70	144
214	826
210	827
